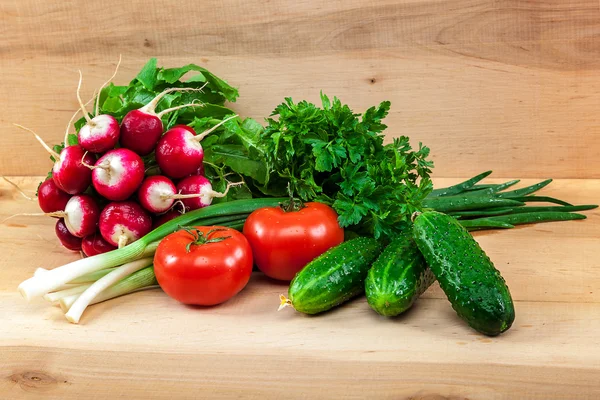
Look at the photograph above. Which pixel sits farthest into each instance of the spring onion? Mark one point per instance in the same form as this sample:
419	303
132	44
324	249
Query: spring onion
141	280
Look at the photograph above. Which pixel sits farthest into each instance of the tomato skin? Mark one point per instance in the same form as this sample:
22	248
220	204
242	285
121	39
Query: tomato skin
210	273
284	242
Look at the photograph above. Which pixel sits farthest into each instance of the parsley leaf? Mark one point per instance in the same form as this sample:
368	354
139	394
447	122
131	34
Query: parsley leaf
336	156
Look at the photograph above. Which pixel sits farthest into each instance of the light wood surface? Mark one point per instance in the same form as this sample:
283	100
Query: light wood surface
146	345
506	85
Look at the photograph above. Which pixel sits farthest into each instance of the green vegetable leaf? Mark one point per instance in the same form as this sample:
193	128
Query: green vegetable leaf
350	212
57	148
215	83
111	105
334	155
236	157
72	139
148	75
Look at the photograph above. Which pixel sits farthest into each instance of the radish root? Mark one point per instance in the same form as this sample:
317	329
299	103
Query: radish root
179	203
229	186
201	136
85	113
97	110
122	241
93	167
150	108
72	118
194	195
168	110
57	214
16	187
48	148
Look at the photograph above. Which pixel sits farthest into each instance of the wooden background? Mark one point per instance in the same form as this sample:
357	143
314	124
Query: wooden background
511	86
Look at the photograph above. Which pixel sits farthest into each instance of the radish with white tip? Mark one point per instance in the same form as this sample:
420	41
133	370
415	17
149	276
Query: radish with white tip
51	198
156	194
179	152
68	172
94	244
141	128
80	215
117	174
124	222
100	133
65	237
196	192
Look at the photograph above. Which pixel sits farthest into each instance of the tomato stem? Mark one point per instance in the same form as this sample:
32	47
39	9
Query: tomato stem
200	238
293	204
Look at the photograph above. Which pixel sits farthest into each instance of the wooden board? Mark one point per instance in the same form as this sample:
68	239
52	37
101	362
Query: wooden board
146	345
505	85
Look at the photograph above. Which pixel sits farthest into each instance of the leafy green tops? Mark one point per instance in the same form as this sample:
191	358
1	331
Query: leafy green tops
335	156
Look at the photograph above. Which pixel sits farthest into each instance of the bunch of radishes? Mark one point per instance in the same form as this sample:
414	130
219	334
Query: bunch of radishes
99	188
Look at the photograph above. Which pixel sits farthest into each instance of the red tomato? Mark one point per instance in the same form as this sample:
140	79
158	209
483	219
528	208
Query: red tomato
217	266
283	242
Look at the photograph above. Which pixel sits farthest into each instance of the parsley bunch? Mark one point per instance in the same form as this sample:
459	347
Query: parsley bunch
335	156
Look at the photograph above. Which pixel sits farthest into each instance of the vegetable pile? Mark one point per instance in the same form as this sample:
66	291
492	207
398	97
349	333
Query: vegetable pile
164	185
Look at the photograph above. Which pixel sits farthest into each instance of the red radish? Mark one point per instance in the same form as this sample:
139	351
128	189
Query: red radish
124	222
196	192
94	244
117	174
179	152
81	215
65	237
51	198
164	218
156	194
186	127
69	173
100	133
141	128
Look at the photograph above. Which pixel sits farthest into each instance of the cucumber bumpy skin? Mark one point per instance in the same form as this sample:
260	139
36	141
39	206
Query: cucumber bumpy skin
475	288
397	278
334	277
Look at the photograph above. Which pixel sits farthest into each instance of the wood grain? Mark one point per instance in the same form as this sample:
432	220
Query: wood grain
504	85
147	346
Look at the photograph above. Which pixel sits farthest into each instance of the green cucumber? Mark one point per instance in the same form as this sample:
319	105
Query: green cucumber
334	277
475	288
397	278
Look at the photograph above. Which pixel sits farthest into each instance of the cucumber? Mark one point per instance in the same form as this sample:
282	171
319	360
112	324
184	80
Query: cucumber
334	277
397	278
475	288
